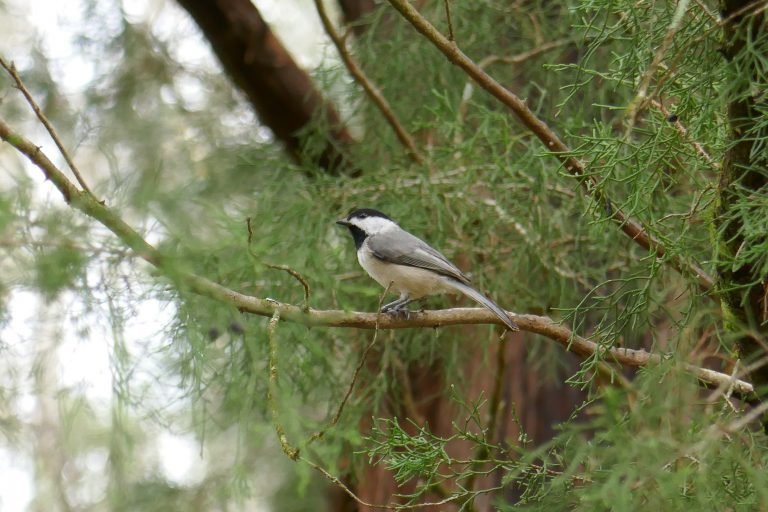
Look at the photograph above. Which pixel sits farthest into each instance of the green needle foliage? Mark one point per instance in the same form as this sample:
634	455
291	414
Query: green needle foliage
665	103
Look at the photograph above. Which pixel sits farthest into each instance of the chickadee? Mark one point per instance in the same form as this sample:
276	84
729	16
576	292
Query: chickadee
408	265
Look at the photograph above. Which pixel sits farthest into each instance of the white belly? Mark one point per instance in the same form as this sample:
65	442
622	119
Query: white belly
412	282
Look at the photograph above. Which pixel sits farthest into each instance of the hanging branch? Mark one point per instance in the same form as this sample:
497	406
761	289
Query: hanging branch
633	228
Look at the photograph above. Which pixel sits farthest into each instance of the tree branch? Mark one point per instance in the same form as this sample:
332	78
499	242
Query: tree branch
11	69
331	318
634	229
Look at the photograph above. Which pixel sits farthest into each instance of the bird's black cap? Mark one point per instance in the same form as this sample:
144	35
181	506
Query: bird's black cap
361	213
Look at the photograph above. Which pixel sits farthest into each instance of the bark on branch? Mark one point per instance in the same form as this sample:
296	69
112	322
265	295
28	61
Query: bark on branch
544	326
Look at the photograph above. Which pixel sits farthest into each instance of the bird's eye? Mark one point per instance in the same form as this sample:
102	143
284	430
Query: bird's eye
363	215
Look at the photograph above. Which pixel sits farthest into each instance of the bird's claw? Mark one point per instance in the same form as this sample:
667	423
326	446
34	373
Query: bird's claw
401	312
397	310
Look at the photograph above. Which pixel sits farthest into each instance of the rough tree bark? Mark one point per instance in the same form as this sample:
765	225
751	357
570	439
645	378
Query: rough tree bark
282	93
744	177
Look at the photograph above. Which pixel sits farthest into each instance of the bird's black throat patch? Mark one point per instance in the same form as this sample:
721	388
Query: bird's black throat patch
358	235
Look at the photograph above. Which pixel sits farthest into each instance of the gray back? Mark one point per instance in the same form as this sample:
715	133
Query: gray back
400	247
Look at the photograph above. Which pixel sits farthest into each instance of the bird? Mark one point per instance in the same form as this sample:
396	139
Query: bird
404	263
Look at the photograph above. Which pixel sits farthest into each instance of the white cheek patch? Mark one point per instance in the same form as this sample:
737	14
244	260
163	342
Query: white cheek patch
373	225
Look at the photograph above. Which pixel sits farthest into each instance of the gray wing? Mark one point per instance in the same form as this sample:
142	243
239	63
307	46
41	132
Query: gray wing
403	248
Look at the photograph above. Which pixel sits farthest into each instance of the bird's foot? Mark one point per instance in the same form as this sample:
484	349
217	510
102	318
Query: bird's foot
397	308
402	312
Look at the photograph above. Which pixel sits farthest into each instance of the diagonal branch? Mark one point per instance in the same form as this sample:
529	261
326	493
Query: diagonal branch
11	69
312	317
633	228
373	92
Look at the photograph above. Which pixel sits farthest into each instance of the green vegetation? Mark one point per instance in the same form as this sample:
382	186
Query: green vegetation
665	106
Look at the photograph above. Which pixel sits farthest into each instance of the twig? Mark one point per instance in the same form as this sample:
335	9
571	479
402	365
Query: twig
202	286
712	16
684	132
406	399
363	357
290	451
483	451
284	268
11	69
511	59
631	227
749	9
745	420
725	388
640	99
373	92
715	431
298	277
524	56
447	4
336	481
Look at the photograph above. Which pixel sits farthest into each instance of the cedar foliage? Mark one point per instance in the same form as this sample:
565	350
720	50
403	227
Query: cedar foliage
172	147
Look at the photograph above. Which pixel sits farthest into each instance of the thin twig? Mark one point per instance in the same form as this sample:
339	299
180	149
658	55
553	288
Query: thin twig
634	229
510	59
483	451
336	481
712	16
725	387
406	399
300	278
750	9
373	92
360	364
684	132
447	4
264	307
11	69
745	420
639	102
716	431
524	56
290	451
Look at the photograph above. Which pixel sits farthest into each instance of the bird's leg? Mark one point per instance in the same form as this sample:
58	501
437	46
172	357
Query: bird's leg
394	305
398	306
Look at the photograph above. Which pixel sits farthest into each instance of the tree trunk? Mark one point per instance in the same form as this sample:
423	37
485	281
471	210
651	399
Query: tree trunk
282	94
744	179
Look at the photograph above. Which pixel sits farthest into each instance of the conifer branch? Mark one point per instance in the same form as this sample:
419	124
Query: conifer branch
11	69
633	228
542	325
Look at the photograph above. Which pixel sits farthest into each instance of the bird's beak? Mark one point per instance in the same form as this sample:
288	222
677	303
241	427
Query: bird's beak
343	222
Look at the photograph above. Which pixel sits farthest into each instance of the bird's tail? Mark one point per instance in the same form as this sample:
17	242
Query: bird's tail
486	302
